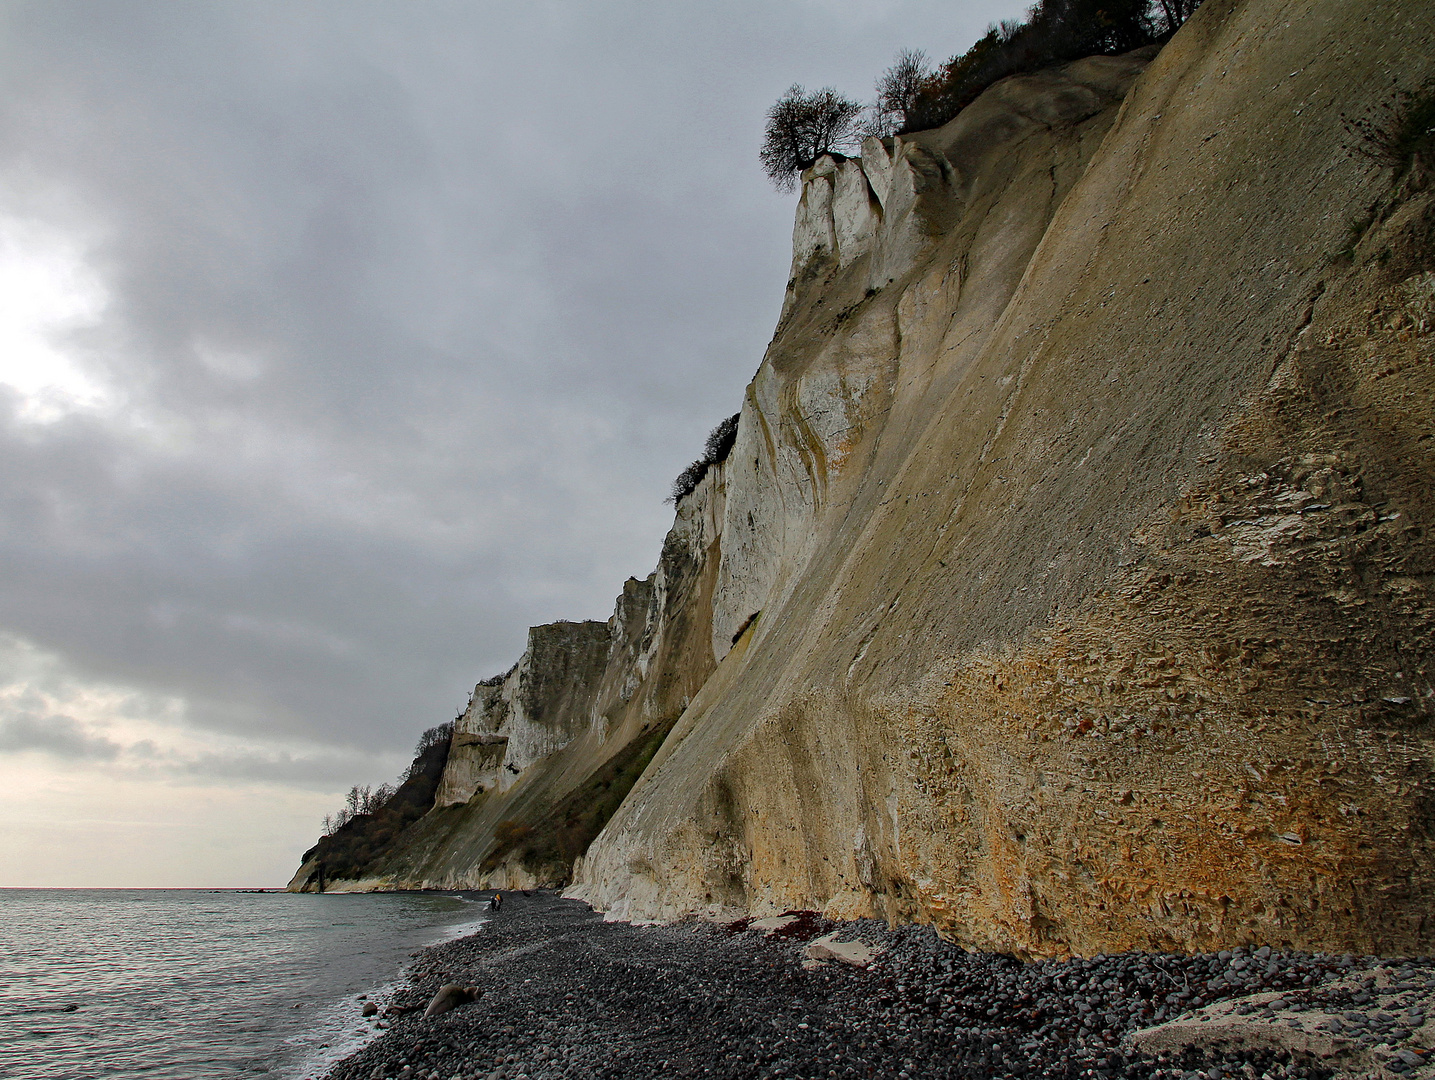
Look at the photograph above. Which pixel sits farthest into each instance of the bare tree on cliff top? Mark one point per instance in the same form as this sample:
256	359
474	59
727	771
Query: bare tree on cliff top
897	92
802	127
1175	12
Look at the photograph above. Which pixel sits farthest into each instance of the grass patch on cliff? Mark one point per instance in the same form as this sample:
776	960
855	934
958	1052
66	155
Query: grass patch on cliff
1398	135
352	850
547	848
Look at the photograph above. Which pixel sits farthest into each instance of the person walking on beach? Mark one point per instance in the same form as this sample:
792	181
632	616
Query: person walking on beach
496	902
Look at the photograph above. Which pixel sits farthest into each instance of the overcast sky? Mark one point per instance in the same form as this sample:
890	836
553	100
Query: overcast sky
339	343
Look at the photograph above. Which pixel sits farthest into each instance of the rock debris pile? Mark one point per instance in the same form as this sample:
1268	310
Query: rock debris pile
566	995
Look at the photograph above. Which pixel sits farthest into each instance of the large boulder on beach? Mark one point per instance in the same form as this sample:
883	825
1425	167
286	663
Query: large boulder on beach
451	996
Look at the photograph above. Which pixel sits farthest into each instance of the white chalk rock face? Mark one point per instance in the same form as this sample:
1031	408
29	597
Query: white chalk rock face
876	164
757	514
539	707
795	437
918	202
581	693
838	215
813	236
550	693
889	204
476	754
1001	681
856	215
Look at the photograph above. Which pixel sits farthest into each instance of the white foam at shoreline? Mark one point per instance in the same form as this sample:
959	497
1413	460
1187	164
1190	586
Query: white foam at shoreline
342	1030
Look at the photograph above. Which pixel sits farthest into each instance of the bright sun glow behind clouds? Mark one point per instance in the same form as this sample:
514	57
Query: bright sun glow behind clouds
47	293
320	383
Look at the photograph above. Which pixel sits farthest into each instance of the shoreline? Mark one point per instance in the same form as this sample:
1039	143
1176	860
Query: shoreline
348	1031
568	995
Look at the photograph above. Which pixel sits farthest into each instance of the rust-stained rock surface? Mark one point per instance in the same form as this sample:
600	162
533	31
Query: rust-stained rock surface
1068	585
1087	508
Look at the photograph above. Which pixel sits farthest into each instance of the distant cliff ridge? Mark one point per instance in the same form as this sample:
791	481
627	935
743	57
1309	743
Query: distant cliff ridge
544	753
1068	582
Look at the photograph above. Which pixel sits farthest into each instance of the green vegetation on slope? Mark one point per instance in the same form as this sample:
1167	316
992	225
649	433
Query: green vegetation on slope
715	451
549	848
1399	135
363	839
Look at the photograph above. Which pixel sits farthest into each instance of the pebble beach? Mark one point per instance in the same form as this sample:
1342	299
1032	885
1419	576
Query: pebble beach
564	994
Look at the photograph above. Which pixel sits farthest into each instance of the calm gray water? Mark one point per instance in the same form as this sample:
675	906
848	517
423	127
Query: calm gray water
190	984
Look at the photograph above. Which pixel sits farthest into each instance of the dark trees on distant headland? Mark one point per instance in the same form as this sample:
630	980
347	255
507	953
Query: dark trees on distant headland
363	800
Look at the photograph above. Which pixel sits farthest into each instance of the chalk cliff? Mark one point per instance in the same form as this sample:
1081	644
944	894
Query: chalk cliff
543	753
1068	583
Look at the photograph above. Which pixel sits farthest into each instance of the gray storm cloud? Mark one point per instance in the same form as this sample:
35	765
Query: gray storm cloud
410	314
62	736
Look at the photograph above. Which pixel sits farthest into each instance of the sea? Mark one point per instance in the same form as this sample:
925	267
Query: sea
194	984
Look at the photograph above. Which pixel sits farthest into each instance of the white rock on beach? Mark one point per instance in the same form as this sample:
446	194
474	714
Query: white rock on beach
856	953
1284	1021
772	924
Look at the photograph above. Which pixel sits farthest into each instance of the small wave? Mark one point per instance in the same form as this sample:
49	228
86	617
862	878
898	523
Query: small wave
458	930
37	1010
340	1029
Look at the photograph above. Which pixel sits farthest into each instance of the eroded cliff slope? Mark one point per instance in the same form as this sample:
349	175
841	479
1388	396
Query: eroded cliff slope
543	754
1085	497
1068	583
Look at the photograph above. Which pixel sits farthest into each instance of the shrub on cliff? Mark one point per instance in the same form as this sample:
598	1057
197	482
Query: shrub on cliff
802	127
442	734
910	98
715	451
508	833
1056	32
898	90
373	821
360	800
